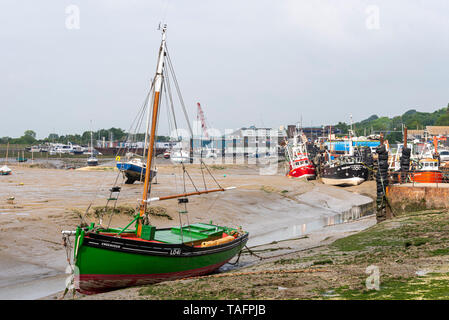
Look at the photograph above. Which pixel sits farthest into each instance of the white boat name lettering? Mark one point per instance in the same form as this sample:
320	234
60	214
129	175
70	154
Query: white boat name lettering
175	252
353	167
110	245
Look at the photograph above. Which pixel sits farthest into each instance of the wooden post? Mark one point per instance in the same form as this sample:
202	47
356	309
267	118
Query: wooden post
405	137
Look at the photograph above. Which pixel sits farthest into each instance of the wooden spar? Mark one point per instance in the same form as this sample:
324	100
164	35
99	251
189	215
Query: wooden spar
155	112
187	194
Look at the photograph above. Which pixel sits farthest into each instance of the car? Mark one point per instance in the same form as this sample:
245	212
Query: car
444	155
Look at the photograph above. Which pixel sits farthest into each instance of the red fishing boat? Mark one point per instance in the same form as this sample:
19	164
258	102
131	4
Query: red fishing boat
300	165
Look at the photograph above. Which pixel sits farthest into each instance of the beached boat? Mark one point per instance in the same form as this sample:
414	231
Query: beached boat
21	158
92	160
300	165
109	258
5	170
428	172
346	170
135	170
180	156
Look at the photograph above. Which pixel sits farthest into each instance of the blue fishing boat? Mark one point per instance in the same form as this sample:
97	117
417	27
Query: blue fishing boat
134	170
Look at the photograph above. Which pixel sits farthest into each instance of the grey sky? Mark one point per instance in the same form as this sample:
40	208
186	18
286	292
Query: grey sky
247	62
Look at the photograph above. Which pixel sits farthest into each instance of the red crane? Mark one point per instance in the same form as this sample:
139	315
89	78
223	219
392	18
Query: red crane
203	120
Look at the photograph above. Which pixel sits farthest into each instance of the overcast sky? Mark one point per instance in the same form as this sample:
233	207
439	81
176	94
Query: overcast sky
259	62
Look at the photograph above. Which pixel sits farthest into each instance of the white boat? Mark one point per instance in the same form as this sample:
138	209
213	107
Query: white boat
180	156
61	148
92	160
5	170
76	149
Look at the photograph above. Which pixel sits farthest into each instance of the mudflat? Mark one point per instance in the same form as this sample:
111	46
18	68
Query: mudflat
33	260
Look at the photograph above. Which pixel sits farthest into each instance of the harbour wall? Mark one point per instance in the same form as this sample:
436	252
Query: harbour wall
407	198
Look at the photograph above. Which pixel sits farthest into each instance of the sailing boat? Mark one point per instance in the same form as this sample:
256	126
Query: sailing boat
111	258
5	170
134	168
92	160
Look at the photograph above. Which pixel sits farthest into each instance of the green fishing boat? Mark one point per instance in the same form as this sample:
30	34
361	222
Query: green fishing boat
107	258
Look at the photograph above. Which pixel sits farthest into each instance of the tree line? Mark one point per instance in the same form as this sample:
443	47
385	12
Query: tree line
115	134
392	127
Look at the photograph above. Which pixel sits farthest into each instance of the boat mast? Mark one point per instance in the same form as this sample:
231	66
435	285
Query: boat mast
147	127
91	141
7	149
157	89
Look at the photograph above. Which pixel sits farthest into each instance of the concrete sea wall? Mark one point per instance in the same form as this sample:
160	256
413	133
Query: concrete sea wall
403	198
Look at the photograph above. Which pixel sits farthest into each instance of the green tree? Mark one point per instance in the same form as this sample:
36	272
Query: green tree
443	120
5	140
30	133
53	137
343	127
394	137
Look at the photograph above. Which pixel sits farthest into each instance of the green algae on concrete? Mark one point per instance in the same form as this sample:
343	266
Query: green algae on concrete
432	286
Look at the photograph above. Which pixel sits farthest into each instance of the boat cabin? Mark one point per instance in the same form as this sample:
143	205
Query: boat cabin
428	165
301	162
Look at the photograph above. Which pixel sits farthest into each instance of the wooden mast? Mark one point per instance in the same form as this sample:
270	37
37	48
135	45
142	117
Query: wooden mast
155	112
405	137
7	149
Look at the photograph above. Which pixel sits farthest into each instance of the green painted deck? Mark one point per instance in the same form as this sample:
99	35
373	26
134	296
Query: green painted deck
194	232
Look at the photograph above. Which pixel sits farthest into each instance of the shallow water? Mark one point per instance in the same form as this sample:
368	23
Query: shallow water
305	225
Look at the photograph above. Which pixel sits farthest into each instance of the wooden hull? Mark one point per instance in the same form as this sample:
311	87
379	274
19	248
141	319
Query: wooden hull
105	262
